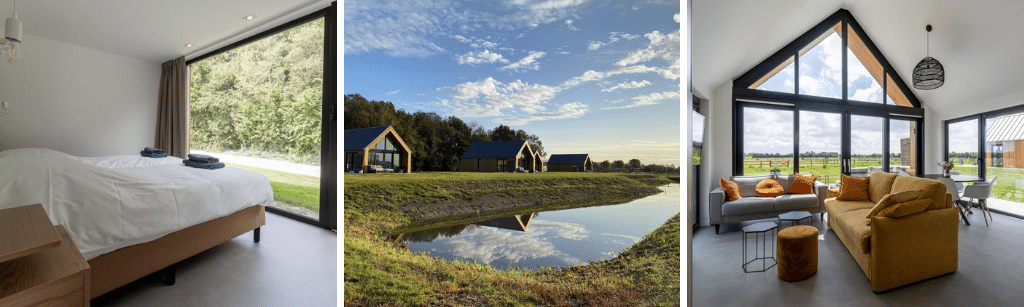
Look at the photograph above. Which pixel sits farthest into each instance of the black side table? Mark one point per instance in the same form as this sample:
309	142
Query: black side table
760	252
794	217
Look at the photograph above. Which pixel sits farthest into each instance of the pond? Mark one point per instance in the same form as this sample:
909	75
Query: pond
558	238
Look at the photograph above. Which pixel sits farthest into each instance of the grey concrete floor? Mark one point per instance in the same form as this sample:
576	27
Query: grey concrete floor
294	264
989	274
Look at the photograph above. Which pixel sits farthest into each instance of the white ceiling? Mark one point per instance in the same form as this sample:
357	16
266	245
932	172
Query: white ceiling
979	43
154	30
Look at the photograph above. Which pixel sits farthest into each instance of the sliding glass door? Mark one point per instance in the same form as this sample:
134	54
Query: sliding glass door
267	104
866	145
821	144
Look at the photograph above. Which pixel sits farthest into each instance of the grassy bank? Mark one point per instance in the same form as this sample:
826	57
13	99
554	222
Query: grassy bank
295	189
379	273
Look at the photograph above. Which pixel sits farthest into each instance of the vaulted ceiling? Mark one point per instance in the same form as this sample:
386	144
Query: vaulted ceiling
978	42
154	30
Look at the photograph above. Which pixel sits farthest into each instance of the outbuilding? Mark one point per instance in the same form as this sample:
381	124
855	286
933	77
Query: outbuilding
376	150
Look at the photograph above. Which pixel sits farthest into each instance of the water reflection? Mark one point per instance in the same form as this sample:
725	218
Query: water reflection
553	238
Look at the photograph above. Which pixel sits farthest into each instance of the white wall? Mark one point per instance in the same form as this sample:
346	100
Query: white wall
78	100
717	156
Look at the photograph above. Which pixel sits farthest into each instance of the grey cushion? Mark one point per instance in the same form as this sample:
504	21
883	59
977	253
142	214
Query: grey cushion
749	205
796	202
786	181
748	184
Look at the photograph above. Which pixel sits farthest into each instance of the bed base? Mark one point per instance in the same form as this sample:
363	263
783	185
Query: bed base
120	267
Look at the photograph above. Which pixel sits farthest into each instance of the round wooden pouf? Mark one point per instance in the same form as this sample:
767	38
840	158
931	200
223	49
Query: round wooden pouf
798	252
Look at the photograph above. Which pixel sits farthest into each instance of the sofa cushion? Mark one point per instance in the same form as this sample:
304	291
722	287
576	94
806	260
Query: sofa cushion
834	207
853	188
749	205
786	181
905	208
802	184
892	199
748	184
769	188
880	185
933	189
732	191
791	202
855	228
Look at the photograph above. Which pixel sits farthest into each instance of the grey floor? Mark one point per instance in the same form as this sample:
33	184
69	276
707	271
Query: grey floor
294	264
991	272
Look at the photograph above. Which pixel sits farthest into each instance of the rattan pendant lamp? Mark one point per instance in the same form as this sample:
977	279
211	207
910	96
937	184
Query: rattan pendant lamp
928	74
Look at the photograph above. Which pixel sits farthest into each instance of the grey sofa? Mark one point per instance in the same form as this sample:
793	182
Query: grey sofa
751	207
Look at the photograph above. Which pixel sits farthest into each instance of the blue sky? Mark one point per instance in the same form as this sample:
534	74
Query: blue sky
586	76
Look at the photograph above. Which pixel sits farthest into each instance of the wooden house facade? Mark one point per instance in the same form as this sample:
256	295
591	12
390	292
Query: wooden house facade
376	150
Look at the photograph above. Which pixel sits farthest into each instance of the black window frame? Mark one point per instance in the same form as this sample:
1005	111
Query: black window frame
746	97
328	137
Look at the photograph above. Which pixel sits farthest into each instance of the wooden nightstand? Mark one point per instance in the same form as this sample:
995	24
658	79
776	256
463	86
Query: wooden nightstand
40	264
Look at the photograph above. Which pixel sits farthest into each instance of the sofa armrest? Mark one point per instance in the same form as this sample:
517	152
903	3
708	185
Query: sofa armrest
821	190
913	248
715	200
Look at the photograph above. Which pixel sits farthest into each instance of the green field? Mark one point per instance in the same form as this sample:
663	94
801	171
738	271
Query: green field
378	273
295	189
826	169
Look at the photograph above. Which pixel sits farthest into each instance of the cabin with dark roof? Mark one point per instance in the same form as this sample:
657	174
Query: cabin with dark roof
503	156
376	150
538	162
570	163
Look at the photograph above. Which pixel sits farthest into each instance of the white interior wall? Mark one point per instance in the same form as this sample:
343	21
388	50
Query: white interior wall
78	100
717	156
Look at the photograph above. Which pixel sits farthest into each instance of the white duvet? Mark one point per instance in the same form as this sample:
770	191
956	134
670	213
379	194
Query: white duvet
111	202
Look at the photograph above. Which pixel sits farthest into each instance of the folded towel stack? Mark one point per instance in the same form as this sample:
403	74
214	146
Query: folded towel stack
203	161
153	152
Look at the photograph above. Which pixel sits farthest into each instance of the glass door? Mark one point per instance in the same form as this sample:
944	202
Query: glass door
821	145
866	148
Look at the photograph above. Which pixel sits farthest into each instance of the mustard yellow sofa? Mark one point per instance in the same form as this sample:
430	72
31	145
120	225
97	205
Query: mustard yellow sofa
894	252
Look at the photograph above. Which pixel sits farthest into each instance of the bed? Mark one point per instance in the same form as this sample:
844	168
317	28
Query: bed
131	216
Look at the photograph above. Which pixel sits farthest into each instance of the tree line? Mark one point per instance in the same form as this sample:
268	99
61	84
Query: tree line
436	142
633	165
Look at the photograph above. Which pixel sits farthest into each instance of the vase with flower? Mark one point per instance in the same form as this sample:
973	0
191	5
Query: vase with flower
947	166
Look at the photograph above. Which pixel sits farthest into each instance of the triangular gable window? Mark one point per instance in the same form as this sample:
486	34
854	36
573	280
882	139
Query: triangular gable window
812	65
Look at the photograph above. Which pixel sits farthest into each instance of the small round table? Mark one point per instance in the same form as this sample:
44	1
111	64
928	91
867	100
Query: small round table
760	253
794	217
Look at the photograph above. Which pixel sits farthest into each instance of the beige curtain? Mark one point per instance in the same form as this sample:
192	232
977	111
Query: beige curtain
172	121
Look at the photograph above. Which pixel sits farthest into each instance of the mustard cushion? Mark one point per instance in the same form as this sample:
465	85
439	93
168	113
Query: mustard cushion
894	198
853	188
906	208
881	185
732	190
933	189
802	184
769	188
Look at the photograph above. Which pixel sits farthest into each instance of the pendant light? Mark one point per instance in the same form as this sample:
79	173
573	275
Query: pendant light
12	37
928	74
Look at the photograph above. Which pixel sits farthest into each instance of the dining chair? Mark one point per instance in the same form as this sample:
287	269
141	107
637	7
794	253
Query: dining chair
902	173
951	188
959	185
981	191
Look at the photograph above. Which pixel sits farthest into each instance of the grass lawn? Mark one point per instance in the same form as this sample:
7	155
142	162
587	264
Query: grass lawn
300	190
378	273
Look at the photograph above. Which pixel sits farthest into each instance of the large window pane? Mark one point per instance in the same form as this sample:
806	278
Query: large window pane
821	141
963	146
866	144
258	107
1003	137
902	146
767	141
821	67
778	80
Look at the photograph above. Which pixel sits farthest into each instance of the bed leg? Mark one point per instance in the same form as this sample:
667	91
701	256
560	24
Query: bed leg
169	274
256	235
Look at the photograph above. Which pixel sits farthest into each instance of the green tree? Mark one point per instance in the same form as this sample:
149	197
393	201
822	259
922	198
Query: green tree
634	164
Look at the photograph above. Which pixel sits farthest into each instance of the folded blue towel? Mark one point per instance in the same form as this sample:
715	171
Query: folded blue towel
153	155
195	164
202	158
153	150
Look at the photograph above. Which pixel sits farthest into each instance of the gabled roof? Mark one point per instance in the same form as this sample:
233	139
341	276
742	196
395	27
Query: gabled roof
359	139
1005	128
502	149
568	159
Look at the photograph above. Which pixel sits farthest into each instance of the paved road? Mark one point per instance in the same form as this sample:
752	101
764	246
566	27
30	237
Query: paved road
283	166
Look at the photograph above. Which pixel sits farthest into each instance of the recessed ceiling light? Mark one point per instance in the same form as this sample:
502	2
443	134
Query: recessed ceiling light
188	45
250	17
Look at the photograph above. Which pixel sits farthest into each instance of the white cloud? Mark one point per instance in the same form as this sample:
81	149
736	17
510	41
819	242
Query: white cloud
568	23
489	97
393	92
526	63
400	29
592	75
631	84
663	46
649	99
676	17
612	38
568	110
482	57
562	52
